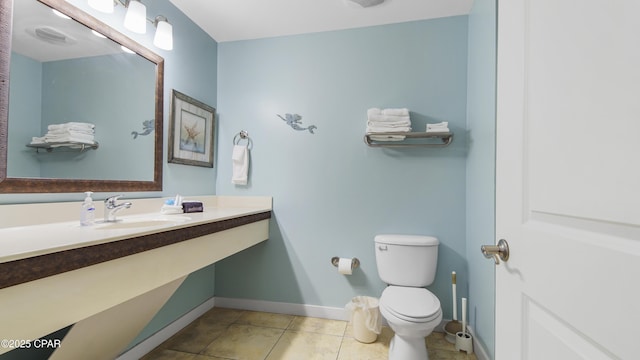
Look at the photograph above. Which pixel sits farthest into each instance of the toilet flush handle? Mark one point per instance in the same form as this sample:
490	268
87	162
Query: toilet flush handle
383	247
497	252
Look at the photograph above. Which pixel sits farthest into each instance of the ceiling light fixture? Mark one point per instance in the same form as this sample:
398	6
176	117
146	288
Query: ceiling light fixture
136	19
164	33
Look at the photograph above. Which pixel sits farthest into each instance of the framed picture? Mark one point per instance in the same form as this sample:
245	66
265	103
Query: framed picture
191	131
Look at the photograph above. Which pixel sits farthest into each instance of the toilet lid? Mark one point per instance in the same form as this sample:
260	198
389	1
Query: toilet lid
410	304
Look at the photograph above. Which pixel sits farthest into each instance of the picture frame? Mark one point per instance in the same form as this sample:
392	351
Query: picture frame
191	131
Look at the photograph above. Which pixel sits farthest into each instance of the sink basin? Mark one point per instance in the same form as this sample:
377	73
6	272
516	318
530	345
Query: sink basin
139	222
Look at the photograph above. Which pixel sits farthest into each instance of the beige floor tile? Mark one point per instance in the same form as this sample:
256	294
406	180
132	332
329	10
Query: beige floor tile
165	354
317	325
223	315
272	320
306	346
439	354
197	336
436	340
352	349
244	342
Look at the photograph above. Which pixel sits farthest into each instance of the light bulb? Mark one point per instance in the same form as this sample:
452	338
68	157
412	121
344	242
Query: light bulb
136	17
164	34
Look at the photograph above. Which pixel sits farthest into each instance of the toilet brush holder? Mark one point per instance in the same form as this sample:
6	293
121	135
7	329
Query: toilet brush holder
464	342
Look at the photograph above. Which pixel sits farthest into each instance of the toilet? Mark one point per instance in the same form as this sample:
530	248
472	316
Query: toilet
407	263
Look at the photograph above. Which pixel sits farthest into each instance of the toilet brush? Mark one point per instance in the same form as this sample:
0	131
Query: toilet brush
453	326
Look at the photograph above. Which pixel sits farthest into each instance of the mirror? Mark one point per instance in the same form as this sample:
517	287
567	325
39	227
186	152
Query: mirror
121	93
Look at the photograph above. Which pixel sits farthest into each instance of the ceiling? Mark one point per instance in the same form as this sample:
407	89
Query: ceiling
231	20
67	39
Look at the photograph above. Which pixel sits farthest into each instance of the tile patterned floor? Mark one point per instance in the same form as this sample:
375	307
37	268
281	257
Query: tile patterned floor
223	334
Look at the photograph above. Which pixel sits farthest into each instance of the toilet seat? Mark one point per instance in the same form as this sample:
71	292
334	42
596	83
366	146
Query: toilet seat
416	305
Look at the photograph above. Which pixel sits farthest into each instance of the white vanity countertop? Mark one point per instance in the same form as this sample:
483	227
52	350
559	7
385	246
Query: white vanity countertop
19	240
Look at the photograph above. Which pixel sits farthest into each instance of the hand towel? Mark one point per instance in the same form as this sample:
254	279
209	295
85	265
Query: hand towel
439	127
396	112
240	160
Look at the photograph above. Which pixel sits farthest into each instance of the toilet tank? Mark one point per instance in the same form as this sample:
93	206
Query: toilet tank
406	260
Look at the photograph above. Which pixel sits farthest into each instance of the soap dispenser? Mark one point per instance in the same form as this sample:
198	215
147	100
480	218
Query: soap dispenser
87	211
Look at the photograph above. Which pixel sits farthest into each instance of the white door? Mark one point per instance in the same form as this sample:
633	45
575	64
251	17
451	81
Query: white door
568	179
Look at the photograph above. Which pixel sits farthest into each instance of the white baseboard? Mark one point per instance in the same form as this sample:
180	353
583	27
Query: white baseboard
165	333
324	312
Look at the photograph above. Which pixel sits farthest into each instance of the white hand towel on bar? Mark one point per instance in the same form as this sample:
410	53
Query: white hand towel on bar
240	160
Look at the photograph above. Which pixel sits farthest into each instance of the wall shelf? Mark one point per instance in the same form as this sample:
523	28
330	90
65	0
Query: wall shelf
443	139
49	147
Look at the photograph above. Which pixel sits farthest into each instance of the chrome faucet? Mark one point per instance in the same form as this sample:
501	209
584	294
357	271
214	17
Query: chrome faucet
111	208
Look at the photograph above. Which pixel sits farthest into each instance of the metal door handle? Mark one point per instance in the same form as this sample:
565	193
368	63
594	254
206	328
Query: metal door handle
497	252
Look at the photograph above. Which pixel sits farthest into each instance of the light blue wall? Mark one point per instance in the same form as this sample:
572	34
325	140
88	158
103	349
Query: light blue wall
481	115
191	69
28	116
69	97
332	194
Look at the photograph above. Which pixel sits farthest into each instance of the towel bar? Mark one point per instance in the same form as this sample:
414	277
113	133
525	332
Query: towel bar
446	138
242	135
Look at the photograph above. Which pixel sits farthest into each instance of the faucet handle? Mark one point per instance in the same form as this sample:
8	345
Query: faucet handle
111	200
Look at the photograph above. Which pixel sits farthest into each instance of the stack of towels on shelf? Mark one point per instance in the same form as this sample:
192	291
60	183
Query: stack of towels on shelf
386	121
442	127
71	132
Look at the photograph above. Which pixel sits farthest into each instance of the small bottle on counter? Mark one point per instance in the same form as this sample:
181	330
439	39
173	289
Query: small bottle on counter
87	211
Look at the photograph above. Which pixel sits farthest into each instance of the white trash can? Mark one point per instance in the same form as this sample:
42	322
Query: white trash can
365	318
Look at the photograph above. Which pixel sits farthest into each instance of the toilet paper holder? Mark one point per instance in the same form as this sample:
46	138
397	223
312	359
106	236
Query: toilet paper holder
354	262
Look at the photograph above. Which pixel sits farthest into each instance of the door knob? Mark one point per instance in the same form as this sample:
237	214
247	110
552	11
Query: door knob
497	252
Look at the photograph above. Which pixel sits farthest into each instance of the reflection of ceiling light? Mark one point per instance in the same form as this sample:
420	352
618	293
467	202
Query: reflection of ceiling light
127	50
136	17
60	14
98	34
164	33
105	6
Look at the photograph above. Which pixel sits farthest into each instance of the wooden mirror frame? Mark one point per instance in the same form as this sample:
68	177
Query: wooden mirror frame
49	185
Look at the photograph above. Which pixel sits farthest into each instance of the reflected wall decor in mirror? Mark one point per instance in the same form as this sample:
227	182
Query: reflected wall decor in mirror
58	71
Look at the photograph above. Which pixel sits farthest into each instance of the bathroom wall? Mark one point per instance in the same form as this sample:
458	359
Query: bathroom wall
481	115
332	194
30	87
64	96
191	69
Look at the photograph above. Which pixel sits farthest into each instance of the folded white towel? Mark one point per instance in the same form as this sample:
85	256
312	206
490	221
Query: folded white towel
442	127
396	112
439	125
71	125
240	160
389	119
371	129
85	139
38	140
438	130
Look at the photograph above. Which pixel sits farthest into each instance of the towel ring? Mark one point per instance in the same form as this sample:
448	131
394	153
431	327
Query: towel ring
242	135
